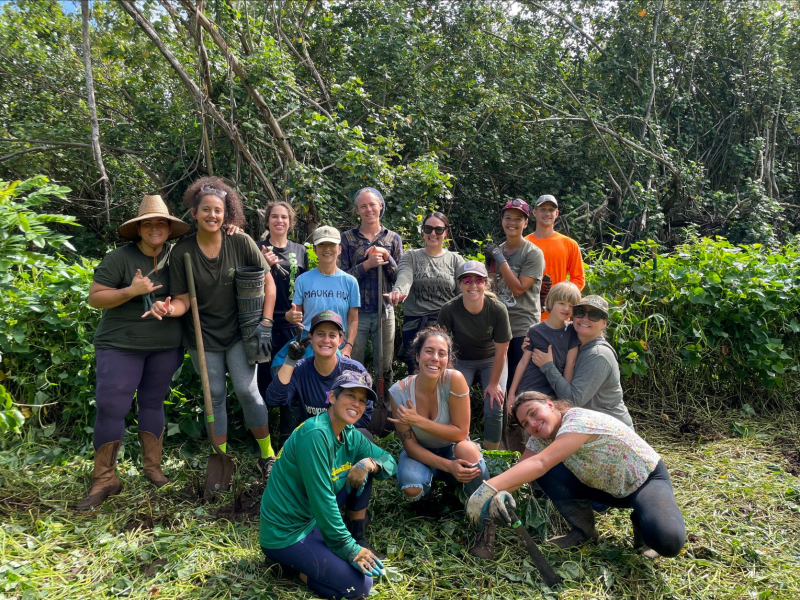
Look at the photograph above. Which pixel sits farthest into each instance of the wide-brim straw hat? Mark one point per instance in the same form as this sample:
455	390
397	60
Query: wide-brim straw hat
153	207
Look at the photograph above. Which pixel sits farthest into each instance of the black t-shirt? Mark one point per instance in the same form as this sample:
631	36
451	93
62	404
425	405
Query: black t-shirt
292	254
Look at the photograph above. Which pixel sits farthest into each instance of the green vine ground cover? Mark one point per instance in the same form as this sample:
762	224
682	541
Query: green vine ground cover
735	479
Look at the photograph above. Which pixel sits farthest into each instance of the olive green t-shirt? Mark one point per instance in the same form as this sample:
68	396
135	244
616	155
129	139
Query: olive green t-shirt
216	291
123	327
523	310
475	335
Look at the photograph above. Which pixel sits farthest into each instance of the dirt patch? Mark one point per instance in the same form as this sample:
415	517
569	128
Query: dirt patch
698	430
244	507
154	567
793	457
140	521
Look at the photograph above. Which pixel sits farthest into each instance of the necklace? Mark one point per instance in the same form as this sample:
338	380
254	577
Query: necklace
210	251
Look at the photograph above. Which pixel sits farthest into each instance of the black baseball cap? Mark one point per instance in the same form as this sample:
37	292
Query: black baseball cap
327	316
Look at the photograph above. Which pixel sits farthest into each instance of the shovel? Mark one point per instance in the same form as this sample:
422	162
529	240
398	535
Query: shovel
377	424
549	576
219	470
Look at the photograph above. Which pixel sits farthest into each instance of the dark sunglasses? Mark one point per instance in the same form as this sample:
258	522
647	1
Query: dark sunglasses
431	229
593	315
468	279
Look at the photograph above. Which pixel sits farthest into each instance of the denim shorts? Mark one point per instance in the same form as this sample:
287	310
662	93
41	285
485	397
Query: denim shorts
412	473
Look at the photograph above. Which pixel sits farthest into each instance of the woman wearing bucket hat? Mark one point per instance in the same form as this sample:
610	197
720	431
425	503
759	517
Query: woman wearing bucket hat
134	355
215	260
324	465
426	279
481	331
595	384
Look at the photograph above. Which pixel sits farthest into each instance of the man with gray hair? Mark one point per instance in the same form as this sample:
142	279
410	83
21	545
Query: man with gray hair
562	256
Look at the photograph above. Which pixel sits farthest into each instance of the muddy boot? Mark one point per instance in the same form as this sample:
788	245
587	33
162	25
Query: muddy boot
104	479
358	530
638	542
580	515
151	458
484	544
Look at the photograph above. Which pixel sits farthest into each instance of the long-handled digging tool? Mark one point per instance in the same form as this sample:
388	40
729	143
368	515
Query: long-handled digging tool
549	576
220	468
380	412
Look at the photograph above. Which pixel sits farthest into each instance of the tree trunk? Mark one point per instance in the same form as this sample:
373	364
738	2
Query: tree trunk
98	155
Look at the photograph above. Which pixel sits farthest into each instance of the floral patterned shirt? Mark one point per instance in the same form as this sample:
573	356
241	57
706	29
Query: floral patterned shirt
617	462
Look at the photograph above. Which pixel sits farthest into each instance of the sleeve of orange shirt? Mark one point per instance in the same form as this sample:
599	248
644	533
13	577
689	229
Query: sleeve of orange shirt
575	264
562	256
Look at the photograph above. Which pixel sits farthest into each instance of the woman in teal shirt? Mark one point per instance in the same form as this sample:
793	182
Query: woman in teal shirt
326	463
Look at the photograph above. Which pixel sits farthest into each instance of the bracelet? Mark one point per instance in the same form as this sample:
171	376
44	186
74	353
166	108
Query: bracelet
346	344
268	320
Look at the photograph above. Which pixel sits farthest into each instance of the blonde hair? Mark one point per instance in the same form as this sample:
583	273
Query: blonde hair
566	292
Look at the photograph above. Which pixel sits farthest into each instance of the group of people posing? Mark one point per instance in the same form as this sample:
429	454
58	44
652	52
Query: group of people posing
535	346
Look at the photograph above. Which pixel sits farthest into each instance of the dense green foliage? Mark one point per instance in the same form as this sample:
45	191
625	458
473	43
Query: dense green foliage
644	117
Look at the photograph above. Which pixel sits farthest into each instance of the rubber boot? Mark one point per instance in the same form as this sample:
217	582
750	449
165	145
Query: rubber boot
104	478
484	544
358	530
151	458
580	515
638	542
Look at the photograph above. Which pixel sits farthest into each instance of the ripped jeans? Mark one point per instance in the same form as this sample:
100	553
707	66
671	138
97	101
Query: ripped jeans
412	473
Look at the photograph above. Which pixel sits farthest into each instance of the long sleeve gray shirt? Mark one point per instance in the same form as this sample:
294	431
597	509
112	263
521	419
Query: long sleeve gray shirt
596	383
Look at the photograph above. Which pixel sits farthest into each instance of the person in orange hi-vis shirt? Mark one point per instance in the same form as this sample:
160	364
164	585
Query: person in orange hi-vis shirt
562	256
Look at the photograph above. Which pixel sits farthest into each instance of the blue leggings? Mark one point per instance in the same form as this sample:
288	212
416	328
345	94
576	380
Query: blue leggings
328	575
655	511
120	375
492	416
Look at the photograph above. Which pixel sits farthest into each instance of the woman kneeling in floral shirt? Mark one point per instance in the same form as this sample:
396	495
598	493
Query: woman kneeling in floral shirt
579	455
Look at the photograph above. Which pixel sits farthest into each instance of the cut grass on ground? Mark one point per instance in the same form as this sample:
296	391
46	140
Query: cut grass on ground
740	497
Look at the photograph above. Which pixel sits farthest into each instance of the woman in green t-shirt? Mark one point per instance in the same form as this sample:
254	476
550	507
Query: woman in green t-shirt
134	355
215	258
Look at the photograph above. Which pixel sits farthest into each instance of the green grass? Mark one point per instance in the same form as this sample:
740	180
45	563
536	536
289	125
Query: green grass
738	496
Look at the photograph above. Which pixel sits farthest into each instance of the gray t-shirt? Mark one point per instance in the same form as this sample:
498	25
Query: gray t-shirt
429	281
596	383
523	310
541	336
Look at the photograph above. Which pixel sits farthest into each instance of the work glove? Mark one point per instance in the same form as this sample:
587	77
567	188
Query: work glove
357	477
496	253
478	503
264	335
296	351
498	508
367	563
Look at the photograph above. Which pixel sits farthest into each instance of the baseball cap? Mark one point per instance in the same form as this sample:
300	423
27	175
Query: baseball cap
545	199
326	233
326	316
471	267
519	204
356	379
597	302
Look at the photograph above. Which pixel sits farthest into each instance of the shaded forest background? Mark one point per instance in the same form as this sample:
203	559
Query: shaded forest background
647	119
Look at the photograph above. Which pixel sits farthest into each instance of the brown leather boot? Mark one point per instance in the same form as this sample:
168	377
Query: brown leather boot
484	544
104	479
151	458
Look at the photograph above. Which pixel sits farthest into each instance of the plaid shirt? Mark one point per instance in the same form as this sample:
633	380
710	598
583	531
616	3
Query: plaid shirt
354	253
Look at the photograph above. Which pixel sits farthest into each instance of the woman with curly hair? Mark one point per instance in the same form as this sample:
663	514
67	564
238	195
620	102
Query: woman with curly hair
215	258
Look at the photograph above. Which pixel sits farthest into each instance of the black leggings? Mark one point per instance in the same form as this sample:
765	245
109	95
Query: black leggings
654	508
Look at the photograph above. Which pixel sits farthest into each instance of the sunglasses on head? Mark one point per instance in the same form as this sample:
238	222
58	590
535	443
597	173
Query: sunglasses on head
468	279
207	190
593	315
431	229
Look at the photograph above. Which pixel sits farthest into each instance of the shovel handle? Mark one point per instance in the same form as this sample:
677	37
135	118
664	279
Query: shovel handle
201	354
539	561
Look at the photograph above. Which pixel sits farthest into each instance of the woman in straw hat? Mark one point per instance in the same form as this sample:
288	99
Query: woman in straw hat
134	355
215	258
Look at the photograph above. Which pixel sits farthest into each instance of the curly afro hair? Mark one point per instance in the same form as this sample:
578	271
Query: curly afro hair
234	213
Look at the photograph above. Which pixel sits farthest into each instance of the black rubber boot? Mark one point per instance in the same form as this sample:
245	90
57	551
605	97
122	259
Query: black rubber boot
358	530
484	544
580	515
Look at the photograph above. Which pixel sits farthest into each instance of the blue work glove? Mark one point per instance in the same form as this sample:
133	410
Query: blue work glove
496	253
264	334
357	477
498	508
367	563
